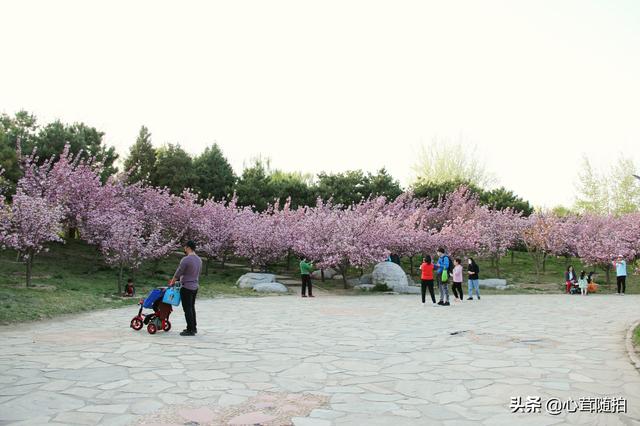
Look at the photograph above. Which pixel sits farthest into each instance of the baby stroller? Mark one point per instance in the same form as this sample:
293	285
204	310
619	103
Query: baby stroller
159	319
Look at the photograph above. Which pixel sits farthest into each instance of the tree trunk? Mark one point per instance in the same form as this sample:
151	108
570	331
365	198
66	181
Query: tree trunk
120	278
344	266
544	263
607	272
224	259
497	263
288	260
512	256
411	265
322	275
206	266
29	266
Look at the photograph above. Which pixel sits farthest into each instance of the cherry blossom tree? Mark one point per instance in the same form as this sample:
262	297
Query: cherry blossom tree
214	229
28	224
602	238
496	231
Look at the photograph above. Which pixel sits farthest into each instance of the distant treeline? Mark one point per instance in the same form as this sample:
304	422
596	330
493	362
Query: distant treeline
210	173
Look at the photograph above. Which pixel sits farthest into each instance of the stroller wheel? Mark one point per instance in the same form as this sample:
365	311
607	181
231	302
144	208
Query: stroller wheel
151	328
136	323
166	326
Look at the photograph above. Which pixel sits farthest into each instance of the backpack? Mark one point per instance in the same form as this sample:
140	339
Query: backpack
447	272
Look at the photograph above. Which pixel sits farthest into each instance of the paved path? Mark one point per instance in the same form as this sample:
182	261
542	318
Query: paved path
372	360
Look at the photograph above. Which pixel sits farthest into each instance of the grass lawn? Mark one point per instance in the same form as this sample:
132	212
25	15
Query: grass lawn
71	278
636	338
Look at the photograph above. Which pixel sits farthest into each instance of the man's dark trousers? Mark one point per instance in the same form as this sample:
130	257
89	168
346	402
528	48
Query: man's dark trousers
189	307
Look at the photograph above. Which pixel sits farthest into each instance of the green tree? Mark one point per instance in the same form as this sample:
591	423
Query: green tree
625	188
174	169
499	198
214	175
52	138
345	188
592	195
20	127
296	185
141	162
442	162
382	183
253	187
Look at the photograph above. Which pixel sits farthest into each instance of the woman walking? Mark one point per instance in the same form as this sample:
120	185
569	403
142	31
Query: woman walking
426	277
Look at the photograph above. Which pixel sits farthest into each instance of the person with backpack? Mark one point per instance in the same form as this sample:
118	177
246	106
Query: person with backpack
426	277
474	275
444	268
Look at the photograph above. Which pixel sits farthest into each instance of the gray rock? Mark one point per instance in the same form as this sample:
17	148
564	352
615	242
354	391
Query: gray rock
337	277
390	274
353	282
270	288
493	283
328	274
250	279
366	279
364	287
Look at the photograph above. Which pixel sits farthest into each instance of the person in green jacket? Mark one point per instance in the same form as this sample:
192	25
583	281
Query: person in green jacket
306	268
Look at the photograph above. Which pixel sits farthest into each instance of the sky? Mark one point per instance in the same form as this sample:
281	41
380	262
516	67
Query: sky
338	85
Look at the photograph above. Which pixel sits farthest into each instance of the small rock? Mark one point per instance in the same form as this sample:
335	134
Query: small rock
270	288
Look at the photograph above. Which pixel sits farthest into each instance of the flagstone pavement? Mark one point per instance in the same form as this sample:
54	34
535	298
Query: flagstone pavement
353	360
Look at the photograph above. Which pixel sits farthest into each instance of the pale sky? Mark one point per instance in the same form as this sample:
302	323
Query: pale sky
337	85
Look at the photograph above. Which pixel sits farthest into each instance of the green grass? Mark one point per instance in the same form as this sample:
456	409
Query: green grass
71	278
636	338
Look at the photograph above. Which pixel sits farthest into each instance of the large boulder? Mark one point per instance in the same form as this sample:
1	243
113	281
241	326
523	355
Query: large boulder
390	274
251	279
408	290
366	279
495	283
270	288
328	274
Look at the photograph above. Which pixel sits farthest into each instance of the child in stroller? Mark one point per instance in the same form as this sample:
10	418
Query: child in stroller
159	319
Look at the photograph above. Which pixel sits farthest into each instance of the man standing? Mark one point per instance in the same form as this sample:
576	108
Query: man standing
188	273
305	272
621	274
443	265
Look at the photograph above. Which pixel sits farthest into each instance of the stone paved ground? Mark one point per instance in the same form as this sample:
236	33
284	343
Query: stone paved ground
371	360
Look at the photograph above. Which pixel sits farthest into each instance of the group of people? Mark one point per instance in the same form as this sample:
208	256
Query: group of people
443	271
585	284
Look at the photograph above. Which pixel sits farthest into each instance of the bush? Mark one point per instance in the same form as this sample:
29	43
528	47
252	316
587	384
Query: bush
381	287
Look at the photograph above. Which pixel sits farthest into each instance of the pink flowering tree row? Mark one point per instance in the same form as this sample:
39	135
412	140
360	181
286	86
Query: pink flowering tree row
134	223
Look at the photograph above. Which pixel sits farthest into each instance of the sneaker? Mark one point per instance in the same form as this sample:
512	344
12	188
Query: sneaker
311	295
304	295
441	303
478	297
187	333
194	331
446	304
469	298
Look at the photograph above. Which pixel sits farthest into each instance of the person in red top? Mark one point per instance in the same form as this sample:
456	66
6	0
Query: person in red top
426	277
